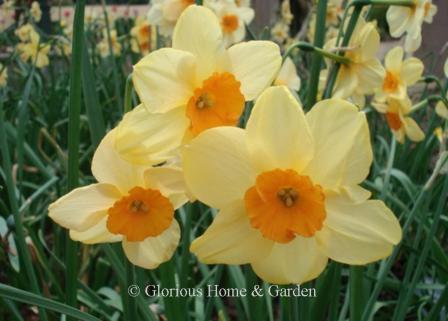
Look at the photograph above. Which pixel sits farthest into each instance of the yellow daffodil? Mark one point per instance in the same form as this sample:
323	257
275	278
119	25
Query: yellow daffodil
141	35
131	204
399	74
165	13
364	74
288	190
3	75
441	109
35	11
409	20
197	84
233	20
30	49
103	45
288	76
7	14
280	32
397	116
285	12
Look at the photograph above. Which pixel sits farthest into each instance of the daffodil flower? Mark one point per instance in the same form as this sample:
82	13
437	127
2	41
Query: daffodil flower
35	11
397	115
197	84
288	190
409	20
103	45
30	49
130	204
165	13
399	74
141	36
288	76
364	73
233	20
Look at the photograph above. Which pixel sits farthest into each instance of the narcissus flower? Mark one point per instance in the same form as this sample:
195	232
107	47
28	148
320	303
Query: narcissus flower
399	74
164	14
35	11
199	83
288	76
131	204
288	190
233	20
364	73
30	49
141	36
103	45
397	116
409	20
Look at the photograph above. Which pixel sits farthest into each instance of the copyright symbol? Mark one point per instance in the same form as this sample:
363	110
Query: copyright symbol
133	290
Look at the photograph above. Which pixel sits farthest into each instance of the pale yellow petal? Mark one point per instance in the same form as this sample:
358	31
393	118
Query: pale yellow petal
358	233
255	64
288	75
413	131
445	68
231	239
153	251
83	207
412	70
216	166
369	41
198	32
278	135
109	167
370	75
165	79
296	262
394	59
346	82
169	181
441	110
343	153
398	19
96	234
148	138
413	40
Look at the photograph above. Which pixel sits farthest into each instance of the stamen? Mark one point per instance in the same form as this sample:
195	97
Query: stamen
288	196
204	101
138	206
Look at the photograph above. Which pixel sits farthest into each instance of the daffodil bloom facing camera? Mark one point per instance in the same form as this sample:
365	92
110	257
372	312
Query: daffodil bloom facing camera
409	20
31	49
364	73
129	204
197	84
397	115
103	45
288	190
233	20
35	11
141	35
399	74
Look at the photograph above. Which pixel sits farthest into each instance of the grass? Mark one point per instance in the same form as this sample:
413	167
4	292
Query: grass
52	120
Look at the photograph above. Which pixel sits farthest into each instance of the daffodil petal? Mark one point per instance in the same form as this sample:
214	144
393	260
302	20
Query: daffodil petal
441	110
295	262
96	234
394	59
346	83
398	20
413	131
216	166
358	233
255	64
169	181
412	70
370	76
278	135
148	138
153	251
109	167
343	153
198	32
165	79
83	207
231	239
369	41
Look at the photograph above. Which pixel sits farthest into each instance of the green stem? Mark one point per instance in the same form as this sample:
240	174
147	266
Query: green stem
71	261
128	94
23	249
130	311
390	163
319	38
305	46
199	2
356	273
175	308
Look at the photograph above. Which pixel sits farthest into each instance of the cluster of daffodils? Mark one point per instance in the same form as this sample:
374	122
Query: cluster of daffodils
287	187
30	47
280	31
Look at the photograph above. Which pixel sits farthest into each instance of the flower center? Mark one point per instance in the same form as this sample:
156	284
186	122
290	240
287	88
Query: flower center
394	121
145	31
391	82
140	214
229	23
283	204
218	102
